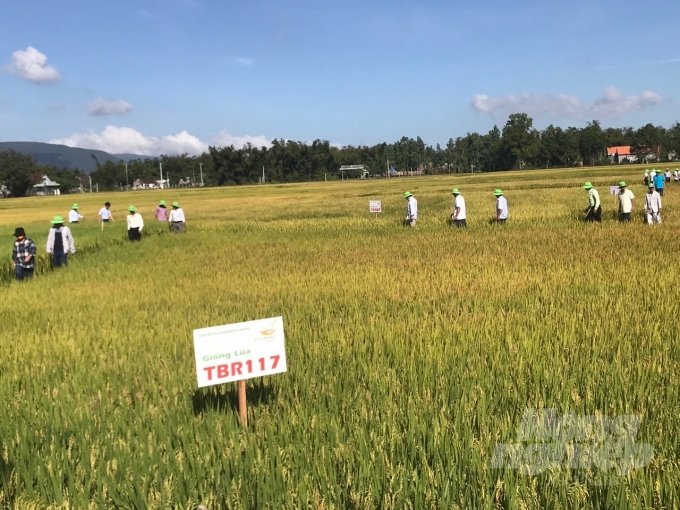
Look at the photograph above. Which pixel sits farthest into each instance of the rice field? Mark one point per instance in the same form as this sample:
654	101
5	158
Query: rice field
412	353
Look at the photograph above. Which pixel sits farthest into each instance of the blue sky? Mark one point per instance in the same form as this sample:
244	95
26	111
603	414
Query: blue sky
151	76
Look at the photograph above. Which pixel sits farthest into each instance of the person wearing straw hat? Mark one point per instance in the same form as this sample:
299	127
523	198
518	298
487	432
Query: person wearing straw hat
626	202
411	209
74	215
161	212
594	210
60	242
23	255
653	205
459	213
177	219
501	207
135	224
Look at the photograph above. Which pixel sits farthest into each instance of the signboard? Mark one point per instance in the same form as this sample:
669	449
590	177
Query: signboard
239	351
375	206
614	190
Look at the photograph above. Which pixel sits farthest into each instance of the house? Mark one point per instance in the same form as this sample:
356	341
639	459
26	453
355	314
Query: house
47	187
144	183
4	192
621	154
360	169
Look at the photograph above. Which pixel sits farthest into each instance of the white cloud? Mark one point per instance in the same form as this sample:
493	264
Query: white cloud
125	140
225	139
55	107
243	61
614	104
31	65
102	107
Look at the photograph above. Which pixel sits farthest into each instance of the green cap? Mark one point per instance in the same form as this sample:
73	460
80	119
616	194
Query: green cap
587	185
408	194
75	206
175	204
455	191
132	208
498	193
57	220
646	171
162	202
622	184
650	185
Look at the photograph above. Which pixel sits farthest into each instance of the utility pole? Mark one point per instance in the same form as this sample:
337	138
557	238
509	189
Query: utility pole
193	169
262	174
161	175
90	183
127	184
201	167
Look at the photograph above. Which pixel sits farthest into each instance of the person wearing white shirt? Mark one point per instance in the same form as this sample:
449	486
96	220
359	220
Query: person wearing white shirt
177	219
105	213
60	242
676	175
74	215
501	207
411	209
626	202
667	175
653	205
135	224
459	213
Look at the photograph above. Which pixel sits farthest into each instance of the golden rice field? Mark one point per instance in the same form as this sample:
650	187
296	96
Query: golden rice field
411	352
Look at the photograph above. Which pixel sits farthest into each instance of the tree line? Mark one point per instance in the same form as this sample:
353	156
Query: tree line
518	145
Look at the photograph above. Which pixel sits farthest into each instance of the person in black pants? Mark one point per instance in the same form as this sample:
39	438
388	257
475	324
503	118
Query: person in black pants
135	224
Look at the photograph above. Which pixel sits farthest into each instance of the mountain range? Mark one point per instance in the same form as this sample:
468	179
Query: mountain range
63	156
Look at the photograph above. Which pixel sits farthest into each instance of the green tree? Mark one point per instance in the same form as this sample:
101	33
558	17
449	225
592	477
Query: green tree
15	171
521	143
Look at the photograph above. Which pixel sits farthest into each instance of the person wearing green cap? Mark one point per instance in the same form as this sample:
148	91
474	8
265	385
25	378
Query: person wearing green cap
177	219
501	207
411	209
74	215
626	202
653	205
60	242
459	213
594	210
161	212
135	224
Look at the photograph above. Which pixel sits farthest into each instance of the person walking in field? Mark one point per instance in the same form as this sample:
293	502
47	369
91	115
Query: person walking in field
23	255
646	177
676	176
653	205
659	182
501	207
161	212
135	224
105	213
74	215
626	202
177	219
594	210
60	242
668	175
459	213
411	209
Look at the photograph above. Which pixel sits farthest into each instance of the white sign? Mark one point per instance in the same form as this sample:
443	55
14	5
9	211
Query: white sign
375	206
614	190
239	351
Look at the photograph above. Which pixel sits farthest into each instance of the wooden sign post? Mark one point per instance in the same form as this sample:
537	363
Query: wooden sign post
236	352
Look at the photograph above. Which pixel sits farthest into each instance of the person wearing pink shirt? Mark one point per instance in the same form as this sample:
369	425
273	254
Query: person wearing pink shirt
162	212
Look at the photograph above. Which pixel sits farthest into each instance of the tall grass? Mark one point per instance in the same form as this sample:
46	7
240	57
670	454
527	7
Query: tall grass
411	352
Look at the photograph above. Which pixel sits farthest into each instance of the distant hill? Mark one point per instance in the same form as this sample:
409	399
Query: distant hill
63	156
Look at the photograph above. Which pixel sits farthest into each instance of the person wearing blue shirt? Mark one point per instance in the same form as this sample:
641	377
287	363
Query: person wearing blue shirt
659	182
